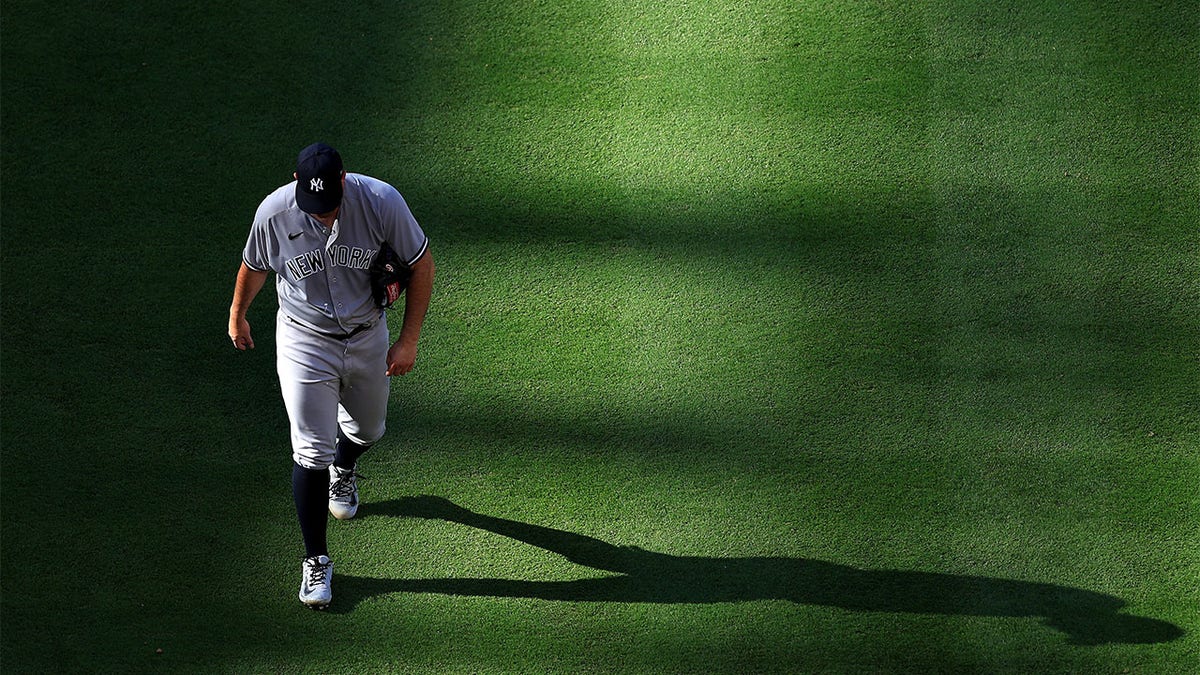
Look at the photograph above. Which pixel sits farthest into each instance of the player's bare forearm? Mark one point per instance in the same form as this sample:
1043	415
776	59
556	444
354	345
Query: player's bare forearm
403	354
416	300
249	283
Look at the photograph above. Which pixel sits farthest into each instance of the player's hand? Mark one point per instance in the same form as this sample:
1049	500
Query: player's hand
401	358
239	332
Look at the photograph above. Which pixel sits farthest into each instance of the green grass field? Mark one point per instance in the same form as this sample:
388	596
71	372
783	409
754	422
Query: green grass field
818	336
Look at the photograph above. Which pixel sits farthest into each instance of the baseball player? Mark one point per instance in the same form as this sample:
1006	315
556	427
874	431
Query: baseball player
320	235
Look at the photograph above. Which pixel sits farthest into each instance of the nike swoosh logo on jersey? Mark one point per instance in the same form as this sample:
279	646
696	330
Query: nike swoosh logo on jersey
293	236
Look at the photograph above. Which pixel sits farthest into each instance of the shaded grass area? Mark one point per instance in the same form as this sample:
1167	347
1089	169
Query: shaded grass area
897	301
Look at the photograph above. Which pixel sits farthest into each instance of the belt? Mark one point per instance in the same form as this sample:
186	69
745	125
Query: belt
335	336
347	336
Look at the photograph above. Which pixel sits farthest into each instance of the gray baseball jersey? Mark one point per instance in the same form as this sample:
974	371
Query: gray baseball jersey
321	274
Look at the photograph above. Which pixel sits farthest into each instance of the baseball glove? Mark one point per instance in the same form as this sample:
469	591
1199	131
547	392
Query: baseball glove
389	276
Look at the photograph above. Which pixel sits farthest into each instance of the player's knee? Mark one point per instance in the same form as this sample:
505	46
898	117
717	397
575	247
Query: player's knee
363	433
365	437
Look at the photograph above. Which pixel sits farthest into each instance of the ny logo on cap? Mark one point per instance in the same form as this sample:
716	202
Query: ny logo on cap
316	185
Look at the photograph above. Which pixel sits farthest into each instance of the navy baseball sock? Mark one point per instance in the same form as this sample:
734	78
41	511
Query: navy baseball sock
347	452
310	489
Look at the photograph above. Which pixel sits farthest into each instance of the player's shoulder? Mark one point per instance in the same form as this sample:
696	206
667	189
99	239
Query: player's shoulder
370	189
281	201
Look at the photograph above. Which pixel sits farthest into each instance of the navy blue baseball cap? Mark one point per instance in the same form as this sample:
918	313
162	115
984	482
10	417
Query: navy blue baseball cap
318	179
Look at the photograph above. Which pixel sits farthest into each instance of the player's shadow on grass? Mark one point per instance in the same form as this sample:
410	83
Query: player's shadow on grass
1087	618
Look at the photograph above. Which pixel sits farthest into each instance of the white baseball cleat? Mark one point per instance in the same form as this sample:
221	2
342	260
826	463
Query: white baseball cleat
316	581
343	493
